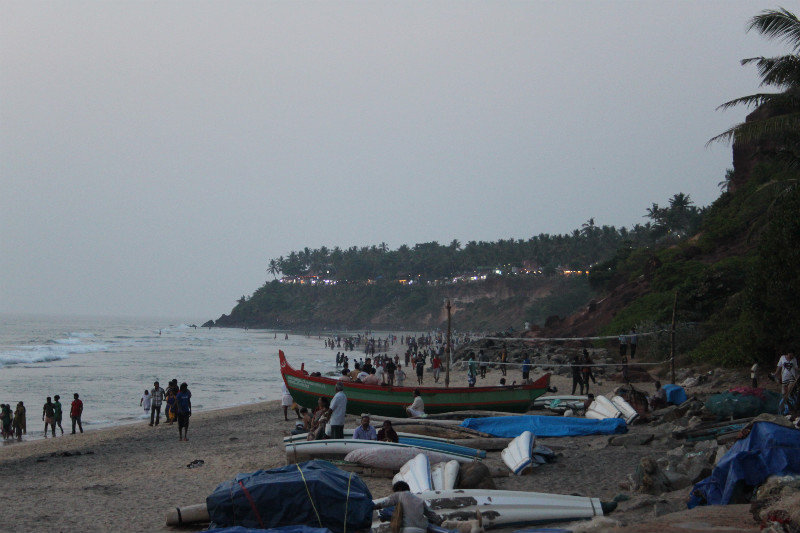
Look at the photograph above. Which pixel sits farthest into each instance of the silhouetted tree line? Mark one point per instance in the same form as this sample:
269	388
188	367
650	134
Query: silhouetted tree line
433	261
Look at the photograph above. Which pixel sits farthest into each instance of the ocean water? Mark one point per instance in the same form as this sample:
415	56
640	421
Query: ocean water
110	362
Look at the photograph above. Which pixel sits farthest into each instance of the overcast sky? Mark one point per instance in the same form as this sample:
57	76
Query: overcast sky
155	155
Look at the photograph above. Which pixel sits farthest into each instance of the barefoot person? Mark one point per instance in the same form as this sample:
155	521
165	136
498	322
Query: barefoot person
183	405
417	407
49	416
59	415
338	409
75	412
156	397
19	421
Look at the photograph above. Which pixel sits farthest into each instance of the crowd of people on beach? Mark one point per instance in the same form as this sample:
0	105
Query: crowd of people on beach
177	401
14	423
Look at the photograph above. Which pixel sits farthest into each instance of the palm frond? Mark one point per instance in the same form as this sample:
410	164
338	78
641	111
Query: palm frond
778	24
779	71
785	99
748	132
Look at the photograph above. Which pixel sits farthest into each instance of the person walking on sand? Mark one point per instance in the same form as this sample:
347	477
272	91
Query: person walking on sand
287	401
420	369
436	363
59	415
6	419
20	425
75	412
156	397
338	410
623	345
504	360
484	363
183	405
145	401
577	380
169	411
49	416
417	407
633	340
586	370
787	373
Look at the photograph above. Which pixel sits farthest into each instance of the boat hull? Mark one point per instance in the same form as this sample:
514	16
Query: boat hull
392	401
500	508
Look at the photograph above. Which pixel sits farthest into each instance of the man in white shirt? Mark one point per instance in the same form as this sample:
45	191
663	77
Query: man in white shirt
787	371
338	410
417	408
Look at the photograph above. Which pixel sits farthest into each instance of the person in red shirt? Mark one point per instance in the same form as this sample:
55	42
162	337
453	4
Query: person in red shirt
75	413
437	368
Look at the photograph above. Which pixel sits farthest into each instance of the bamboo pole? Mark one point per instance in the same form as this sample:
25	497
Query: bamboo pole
672	338
448	349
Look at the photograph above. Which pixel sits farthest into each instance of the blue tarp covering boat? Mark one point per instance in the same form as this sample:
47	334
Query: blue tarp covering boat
675	394
768	450
314	493
545	426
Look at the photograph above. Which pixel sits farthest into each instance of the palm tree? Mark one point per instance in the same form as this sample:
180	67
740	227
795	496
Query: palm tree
778	121
273	268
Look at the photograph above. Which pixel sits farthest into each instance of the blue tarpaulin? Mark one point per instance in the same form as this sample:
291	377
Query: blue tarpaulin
675	394
768	450
545	426
314	493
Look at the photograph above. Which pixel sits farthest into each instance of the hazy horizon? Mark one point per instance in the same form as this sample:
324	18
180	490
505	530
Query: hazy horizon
154	156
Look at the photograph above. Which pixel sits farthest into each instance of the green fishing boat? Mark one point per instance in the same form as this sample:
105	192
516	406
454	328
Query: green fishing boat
392	401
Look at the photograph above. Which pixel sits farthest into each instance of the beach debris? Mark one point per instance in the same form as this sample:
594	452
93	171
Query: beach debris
602	408
777	503
632	439
196	463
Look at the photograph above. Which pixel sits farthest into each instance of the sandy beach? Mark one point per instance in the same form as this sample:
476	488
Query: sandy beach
126	478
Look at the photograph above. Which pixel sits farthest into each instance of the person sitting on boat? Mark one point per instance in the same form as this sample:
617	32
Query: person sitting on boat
365	431
415	512
372	378
319	420
417	407
345	376
362	376
387	433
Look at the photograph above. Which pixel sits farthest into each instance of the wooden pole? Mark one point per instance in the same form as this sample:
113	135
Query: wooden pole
448	348
672	338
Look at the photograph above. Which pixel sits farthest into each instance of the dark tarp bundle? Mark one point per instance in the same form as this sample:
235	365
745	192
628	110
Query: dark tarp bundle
314	493
545	426
768	450
286	529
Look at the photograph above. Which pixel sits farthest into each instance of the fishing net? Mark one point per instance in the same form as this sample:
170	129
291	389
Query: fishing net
743	403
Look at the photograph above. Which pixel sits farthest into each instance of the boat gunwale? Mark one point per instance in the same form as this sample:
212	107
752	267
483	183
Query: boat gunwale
286	368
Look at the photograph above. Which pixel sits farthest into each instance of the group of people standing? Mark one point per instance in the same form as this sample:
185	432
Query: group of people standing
178	400
14	424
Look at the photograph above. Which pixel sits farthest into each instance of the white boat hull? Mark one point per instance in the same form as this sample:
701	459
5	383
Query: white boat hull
417	474
348	434
505	508
338	448
445	475
517	455
603	408
628	412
